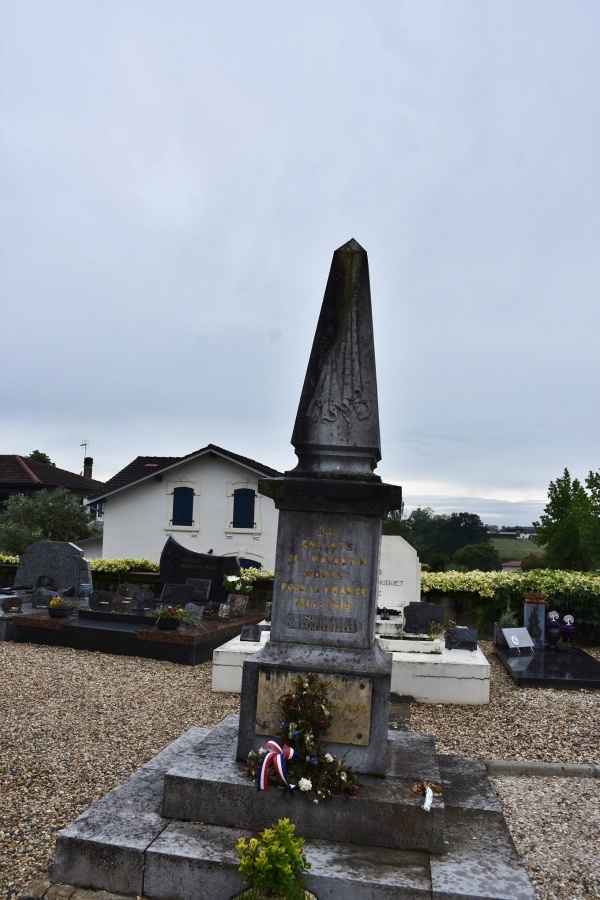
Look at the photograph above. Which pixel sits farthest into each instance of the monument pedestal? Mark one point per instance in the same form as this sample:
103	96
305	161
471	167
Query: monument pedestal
359	690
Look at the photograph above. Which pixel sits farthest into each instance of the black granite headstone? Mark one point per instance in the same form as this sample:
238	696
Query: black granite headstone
461	638
177	564
419	616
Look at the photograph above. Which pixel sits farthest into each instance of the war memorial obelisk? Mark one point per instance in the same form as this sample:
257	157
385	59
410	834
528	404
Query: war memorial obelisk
330	513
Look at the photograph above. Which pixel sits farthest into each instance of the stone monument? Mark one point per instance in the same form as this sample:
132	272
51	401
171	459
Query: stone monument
330	514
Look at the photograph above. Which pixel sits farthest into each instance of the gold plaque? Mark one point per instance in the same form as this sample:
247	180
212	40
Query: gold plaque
349	704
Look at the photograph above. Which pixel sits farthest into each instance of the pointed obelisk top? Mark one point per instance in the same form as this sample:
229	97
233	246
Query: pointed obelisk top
337	425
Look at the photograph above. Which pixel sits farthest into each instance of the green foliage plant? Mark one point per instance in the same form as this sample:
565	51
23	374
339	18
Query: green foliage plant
488	593
274	865
478	556
113	566
47	516
305	720
39	456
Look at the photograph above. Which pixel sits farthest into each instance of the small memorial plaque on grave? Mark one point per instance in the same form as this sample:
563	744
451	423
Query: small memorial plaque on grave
176	594
197	608
101	600
201	588
224	611
238	605
349	703
518	639
250	633
461	638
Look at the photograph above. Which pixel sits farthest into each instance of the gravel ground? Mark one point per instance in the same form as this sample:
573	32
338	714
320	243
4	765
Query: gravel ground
75	724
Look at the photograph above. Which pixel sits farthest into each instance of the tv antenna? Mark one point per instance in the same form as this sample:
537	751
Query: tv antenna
85	445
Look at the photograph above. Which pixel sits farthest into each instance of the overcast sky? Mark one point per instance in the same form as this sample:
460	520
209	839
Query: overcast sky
176	175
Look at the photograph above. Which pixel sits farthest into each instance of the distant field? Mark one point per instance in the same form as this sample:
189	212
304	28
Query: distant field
513	549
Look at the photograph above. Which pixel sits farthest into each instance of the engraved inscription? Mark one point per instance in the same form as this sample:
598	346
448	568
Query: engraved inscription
349	704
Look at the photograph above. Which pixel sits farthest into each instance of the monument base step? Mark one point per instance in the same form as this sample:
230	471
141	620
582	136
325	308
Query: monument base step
124	844
212	788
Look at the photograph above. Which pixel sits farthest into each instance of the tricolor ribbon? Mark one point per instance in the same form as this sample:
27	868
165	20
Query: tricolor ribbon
278	757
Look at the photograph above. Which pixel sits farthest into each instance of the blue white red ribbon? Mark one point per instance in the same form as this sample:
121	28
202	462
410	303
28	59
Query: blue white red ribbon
276	755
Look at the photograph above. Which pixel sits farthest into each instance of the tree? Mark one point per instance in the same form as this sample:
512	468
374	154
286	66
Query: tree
457	530
570	523
47	516
38	456
393	524
478	556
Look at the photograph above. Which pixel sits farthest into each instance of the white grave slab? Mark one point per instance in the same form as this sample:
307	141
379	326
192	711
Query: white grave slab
399	573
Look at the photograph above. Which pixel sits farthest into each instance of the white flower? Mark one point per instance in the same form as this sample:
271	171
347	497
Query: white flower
233	578
305	784
328	757
342	776
261	751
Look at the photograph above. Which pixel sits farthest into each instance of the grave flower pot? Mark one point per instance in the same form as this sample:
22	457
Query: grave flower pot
168	624
60	612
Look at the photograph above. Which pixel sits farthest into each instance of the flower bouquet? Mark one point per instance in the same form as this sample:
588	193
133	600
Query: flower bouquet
169	618
305	721
237	584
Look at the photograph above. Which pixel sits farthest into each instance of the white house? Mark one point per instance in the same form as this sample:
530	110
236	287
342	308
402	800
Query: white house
208	500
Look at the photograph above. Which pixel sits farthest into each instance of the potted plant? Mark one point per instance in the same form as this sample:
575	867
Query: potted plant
508	619
61	608
169	618
273	865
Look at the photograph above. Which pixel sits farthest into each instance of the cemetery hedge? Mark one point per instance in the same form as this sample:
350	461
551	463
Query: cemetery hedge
486	594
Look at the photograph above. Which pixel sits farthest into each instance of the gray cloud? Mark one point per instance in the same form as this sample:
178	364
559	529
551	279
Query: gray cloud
175	178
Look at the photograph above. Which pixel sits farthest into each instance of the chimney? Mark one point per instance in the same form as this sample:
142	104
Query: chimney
88	462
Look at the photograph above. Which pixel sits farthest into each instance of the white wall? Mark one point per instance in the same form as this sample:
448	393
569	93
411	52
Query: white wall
137	519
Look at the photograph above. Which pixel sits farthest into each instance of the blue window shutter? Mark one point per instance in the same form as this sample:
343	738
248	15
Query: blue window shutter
243	508
183	506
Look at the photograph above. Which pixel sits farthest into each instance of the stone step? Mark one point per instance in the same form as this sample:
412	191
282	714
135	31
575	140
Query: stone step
212	788
123	844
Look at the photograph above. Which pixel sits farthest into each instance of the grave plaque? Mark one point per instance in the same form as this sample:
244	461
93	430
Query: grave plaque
461	638
331	508
238	606
176	594
518	639
349	703
177	564
101	600
250	633
201	588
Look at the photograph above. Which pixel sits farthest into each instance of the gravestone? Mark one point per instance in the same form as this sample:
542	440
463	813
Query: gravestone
177	564
123	597
419	616
330	515
399	573
60	561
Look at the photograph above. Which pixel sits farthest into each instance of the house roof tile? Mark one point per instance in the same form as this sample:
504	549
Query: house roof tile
145	466
21	472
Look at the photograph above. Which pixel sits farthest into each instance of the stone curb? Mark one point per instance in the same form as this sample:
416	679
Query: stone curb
525	767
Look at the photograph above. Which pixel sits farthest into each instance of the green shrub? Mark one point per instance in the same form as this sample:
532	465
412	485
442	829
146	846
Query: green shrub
489	593
274	865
